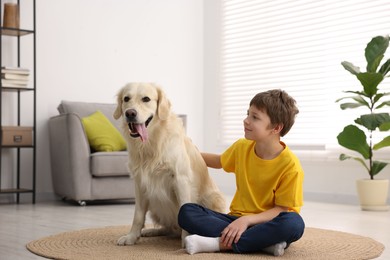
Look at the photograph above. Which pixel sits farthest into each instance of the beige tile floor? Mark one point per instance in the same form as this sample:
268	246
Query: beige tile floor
22	223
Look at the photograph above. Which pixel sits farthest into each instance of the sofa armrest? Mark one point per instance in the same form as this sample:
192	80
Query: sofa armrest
70	157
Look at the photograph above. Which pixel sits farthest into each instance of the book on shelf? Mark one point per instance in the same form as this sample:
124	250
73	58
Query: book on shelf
15	70
13	83
14	76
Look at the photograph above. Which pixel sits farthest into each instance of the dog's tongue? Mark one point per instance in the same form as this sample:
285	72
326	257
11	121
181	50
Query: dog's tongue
141	129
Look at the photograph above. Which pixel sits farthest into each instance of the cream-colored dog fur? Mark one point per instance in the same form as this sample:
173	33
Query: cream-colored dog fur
167	168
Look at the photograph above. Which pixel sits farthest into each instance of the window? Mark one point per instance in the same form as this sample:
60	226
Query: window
297	46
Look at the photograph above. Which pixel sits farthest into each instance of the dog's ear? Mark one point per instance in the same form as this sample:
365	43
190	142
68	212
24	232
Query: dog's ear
118	110
163	105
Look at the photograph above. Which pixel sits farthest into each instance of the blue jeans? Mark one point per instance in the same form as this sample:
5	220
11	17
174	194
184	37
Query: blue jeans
287	226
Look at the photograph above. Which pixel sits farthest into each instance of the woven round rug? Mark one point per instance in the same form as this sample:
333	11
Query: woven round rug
100	243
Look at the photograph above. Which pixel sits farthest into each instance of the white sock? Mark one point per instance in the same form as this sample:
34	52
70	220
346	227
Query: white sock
276	250
198	244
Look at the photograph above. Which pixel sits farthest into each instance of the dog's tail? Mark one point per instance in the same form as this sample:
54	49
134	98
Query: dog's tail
216	201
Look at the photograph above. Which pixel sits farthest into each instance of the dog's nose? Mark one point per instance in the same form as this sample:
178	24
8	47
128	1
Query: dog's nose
131	113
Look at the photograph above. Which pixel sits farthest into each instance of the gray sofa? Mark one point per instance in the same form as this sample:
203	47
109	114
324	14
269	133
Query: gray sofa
78	173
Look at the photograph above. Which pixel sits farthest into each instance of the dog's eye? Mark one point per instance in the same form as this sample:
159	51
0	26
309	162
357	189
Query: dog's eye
126	99
145	99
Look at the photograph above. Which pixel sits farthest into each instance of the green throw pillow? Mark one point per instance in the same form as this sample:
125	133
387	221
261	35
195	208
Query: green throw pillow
102	135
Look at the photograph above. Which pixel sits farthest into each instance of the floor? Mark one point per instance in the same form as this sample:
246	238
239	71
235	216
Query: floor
22	223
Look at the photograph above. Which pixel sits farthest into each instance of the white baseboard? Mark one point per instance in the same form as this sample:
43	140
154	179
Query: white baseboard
27	197
331	198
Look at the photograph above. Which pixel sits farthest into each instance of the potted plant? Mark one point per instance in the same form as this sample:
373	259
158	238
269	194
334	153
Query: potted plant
358	137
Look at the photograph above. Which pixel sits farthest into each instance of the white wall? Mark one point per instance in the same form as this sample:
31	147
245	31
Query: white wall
87	50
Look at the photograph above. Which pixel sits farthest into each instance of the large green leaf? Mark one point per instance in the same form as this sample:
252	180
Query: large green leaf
377	167
361	93
375	51
384	143
350	67
385	68
350	105
360	101
370	82
372	67
339	99
385	126
373	121
386	103
354	139
343	157
378	96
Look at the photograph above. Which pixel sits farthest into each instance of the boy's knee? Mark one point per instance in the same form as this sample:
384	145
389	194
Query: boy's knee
184	213
295	224
186	207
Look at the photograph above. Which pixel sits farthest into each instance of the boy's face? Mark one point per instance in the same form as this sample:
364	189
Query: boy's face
257	125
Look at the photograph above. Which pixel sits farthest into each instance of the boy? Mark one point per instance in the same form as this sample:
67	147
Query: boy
264	213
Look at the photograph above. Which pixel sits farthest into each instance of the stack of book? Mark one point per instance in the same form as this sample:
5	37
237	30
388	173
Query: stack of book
14	77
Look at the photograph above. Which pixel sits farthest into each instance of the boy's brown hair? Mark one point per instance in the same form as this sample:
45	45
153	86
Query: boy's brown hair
279	106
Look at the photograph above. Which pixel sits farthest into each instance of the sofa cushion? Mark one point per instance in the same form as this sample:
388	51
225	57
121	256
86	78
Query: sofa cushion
109	164
102	135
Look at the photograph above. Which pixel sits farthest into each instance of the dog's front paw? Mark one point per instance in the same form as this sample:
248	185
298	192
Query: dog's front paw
127	240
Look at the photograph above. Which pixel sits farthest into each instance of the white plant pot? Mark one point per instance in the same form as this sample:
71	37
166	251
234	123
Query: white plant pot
373	194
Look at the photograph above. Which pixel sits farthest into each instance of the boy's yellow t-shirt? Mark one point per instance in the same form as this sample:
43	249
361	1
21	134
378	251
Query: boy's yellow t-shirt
262	184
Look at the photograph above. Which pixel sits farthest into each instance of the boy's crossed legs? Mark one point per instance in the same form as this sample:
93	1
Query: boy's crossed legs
271	237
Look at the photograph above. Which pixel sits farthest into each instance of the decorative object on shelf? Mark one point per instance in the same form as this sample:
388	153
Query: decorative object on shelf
11	16
354	138
14	77
16	136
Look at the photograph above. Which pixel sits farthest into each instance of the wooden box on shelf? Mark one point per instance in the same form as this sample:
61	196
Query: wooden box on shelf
16	136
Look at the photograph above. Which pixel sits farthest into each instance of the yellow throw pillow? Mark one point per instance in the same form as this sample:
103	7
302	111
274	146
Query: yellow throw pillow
102	135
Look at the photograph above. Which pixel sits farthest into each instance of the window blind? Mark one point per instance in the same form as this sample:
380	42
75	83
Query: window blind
297	46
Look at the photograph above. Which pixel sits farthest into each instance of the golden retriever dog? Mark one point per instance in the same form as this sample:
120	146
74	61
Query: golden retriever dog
167	168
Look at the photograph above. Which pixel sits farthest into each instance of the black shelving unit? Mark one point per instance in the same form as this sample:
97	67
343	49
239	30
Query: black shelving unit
20	34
